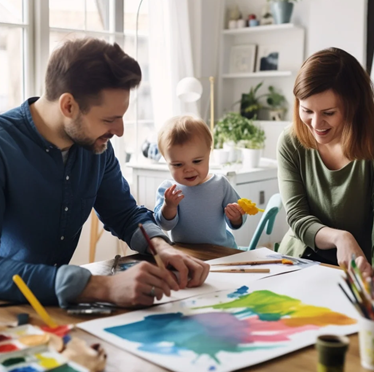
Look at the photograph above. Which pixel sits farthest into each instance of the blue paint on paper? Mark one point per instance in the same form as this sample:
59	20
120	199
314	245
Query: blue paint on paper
24	369
239	292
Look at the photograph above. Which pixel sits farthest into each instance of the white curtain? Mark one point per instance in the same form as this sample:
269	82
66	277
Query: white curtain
170	56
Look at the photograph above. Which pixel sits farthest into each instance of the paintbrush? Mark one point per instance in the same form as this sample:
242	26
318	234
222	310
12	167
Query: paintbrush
152	248
283	261
255	271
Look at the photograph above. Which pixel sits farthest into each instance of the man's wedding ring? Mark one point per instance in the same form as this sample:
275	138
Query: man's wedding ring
152	293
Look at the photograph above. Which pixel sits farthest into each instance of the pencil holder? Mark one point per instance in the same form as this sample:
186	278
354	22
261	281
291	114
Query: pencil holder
331	353
366	341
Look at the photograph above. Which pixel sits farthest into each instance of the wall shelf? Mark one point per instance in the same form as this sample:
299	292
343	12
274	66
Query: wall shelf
246	30
257	74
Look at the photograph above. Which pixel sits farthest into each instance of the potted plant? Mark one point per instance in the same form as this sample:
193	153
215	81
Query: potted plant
276	102
220	155
249	103
223	133
282	10
246	136
251	143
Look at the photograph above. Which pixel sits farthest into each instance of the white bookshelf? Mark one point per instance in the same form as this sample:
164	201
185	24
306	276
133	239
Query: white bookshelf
287	39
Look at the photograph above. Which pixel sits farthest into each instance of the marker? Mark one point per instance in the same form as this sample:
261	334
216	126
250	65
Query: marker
38	307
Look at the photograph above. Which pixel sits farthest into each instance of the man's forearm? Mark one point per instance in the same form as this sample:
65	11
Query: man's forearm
98	288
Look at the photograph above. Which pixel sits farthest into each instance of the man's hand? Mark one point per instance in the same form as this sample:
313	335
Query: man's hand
234	213
137	286
192	271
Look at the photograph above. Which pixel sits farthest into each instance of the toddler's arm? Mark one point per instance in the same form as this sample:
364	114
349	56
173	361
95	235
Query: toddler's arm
172	198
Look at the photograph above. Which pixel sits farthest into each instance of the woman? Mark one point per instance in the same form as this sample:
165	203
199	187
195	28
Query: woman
326	162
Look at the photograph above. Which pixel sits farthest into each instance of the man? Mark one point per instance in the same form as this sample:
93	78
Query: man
56	163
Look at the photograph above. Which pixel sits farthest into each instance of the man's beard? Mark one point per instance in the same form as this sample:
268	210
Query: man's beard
76	133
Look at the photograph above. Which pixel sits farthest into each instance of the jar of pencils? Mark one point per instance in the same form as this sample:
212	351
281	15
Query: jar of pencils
366	341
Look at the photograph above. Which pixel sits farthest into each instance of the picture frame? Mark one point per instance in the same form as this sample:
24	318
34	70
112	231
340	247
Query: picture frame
242	58
267	58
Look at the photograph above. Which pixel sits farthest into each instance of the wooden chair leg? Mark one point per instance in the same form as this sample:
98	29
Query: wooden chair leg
94	236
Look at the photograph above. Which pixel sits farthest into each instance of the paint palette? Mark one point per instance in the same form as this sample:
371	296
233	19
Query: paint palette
38	359
20	338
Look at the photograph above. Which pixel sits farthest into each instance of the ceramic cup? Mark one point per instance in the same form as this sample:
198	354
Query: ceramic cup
331	352
366	341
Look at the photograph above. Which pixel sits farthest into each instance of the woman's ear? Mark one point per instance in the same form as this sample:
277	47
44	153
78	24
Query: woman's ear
68	106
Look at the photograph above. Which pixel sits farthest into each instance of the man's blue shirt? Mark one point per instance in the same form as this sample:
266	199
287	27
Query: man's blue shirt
44	203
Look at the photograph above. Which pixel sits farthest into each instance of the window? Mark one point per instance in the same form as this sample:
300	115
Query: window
13	35
23	59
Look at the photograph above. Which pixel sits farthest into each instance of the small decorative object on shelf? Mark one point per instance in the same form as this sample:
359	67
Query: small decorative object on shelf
277	104
282	10
234	15
252	20
266	16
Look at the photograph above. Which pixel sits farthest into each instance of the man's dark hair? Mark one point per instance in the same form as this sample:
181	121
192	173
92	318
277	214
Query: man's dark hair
85	67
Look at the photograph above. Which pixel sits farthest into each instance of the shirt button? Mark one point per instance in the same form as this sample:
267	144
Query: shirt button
66	209
47	150
62	238
67	178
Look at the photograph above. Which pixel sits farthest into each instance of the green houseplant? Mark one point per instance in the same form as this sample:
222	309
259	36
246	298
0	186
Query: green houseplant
249	103
240	130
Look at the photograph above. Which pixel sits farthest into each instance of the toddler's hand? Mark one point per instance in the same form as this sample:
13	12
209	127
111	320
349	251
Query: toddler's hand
234	213
173	197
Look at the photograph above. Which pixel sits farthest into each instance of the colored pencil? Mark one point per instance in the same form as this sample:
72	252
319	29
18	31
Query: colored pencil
264	271
354	303
157	258
283	261
38	307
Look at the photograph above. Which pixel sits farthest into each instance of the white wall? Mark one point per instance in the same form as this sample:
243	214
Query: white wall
338	23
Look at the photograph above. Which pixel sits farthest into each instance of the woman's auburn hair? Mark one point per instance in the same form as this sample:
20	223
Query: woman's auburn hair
336	70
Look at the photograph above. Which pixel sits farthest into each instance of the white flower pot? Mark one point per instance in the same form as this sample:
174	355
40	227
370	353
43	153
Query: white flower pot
230	147
251	158
220	156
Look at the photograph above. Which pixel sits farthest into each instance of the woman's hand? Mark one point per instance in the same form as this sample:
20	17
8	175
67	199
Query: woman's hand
346	246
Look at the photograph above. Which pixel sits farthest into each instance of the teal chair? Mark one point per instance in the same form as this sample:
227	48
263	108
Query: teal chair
267	220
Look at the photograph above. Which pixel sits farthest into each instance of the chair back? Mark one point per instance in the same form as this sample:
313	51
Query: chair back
267	220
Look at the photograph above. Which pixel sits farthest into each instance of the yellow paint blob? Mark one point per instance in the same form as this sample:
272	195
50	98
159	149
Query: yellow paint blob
47	362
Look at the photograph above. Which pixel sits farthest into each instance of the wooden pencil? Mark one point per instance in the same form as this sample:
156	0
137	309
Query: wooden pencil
157	258
260	262
264	271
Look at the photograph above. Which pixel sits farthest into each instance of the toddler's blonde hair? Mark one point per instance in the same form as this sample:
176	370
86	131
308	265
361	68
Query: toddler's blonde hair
182	129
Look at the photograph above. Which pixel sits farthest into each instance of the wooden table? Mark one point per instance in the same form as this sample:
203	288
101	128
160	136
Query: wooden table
304	360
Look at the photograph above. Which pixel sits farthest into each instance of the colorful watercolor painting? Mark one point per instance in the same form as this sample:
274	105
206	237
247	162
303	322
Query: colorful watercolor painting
228	330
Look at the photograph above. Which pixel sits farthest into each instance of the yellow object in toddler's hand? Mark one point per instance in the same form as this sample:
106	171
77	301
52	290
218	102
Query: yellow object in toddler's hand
249	207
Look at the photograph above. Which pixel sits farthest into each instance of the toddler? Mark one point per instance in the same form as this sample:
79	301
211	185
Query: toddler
197	205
